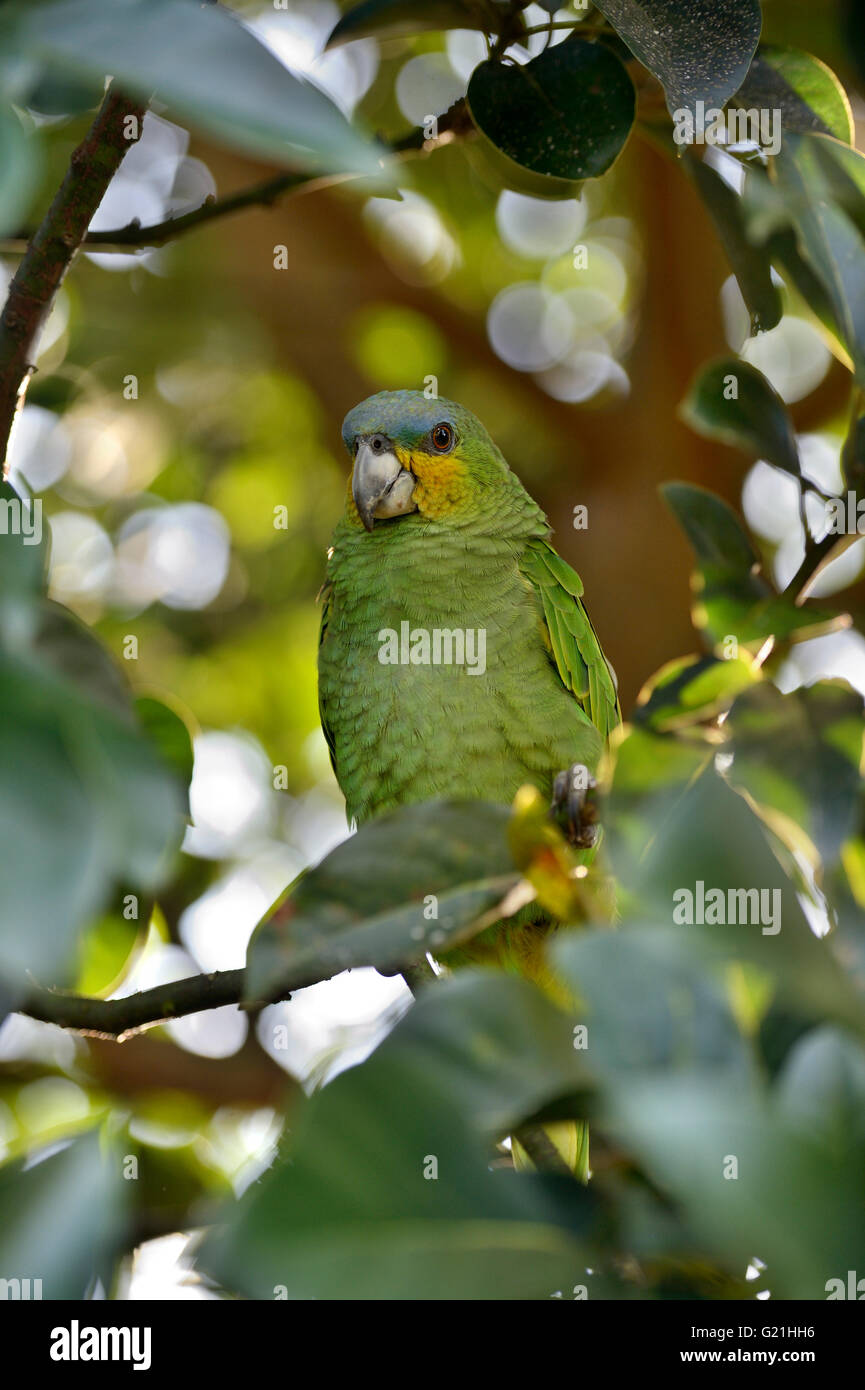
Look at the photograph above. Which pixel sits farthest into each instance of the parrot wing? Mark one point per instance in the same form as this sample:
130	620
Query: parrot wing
573	644
326	596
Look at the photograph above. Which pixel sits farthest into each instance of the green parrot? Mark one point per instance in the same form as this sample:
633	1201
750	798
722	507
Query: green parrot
456	658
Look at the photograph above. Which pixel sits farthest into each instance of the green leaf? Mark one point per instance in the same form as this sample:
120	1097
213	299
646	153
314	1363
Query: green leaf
53	94
23	550
168	731
645	1008
698	50
822	1087
693	689
799	755
69	647
392	19
838	172
388	1193
20	167
60	1219
829	238
853	456
732	401
106	950
209	68
706	834
76	774
732	601
564	116
749	260
806	92
789	1197
414	881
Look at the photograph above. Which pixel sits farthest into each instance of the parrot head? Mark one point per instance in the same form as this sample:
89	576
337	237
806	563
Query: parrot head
411	454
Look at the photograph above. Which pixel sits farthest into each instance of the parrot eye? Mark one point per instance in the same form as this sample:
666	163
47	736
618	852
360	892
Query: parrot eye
442	437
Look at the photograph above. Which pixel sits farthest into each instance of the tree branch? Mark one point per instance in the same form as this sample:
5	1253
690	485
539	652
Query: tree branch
54	244
120	1018
454	124
818	554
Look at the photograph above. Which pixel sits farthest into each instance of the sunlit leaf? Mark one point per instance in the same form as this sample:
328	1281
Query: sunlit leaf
801	87
694	688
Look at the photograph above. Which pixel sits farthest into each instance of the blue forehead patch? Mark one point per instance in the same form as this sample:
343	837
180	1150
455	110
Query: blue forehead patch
404	416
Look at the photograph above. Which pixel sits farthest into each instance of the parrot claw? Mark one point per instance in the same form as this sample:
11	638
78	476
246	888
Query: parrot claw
574	805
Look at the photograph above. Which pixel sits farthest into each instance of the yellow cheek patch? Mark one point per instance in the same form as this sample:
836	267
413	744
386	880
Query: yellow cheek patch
442	482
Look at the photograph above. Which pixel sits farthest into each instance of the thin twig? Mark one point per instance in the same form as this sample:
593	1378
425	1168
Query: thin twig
120	1018
454	124
51	249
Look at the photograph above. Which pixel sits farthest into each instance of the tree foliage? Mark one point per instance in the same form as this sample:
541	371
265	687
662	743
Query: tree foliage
721	1063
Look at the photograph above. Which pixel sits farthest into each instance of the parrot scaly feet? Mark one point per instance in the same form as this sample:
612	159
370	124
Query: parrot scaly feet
575	807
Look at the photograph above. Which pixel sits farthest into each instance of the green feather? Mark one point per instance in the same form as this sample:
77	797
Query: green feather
574	644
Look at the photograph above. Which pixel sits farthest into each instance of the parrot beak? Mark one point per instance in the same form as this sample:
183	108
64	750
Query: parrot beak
380	486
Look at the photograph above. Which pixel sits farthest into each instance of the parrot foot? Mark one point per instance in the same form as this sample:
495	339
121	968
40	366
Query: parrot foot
575	807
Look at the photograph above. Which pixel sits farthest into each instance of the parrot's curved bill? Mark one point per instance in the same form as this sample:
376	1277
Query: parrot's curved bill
380	486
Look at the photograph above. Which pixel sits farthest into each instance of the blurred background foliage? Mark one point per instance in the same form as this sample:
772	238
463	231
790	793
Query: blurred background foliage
182	431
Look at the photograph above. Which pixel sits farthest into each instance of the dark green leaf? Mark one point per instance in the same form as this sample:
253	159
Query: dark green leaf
646	1009
732	401
706	840
23	548
20	165
77	776
749	260
853	456
360	1211
829	239
60	1219
565	115
788	1198
822	1087
390	19
414	881
698	50
167	731
69	647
